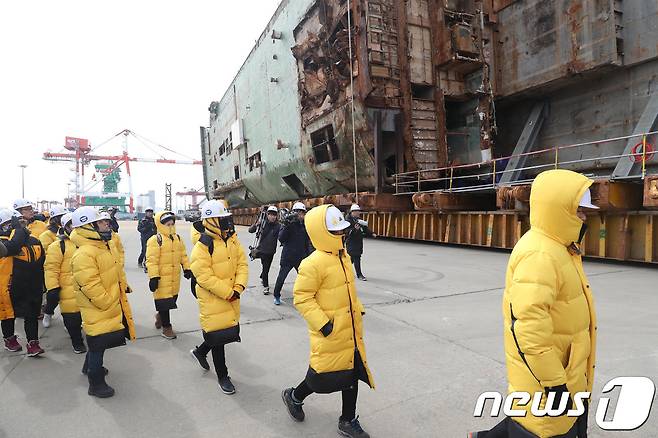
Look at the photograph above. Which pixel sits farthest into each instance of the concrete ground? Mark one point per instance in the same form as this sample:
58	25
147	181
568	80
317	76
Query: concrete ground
433	332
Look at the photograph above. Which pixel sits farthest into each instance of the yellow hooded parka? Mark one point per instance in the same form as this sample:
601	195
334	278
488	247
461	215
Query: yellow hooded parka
165	256
58	273
102	300
548	307
218	275
324	291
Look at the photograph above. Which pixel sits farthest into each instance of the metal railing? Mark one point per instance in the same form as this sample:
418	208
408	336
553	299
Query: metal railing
451	177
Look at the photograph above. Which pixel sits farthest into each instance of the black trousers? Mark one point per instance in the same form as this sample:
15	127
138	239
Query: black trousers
266	260
165	318
73	324
142	254
93	361
32	309
356	261
349	398
218	358
284	270
8	328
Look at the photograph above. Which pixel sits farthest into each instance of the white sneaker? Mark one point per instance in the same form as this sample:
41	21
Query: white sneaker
46	320
266	291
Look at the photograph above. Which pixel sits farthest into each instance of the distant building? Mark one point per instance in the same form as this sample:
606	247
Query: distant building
145	200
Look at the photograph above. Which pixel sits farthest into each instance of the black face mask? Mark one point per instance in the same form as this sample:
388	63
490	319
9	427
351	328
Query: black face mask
226	224
583	230
106	235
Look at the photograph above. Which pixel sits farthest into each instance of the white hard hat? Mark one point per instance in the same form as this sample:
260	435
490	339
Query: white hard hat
355	207
6	214
335	220
66	218
85	215
586	201
104	215
166	216
214	208
298	206
148	209
21	203
272	209
57	210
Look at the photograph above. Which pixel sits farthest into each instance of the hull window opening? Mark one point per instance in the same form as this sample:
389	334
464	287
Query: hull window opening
236	172
296	185
324	145
254	161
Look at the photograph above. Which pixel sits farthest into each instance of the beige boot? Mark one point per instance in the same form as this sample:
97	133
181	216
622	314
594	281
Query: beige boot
168	333
158	321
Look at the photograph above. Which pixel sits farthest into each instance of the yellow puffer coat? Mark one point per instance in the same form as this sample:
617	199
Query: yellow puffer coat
548	308
46	238
58	273
6	268
195	233
165	256
118	247
324	291
106	313
37	228
217	276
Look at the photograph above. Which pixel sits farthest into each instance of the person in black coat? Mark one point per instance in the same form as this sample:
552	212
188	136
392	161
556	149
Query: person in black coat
267	244
354	240
296	246
146	228
27	285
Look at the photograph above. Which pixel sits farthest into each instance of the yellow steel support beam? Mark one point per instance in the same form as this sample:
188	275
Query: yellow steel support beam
648	240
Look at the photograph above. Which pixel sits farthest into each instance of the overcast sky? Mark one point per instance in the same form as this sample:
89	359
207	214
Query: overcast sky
90	69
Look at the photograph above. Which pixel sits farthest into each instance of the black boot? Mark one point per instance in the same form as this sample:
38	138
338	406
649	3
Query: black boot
294	408
97	386
352	429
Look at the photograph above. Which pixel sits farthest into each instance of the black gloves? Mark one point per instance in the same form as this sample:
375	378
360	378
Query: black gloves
54	293
327	329
236	296
153	283
187	273
559	390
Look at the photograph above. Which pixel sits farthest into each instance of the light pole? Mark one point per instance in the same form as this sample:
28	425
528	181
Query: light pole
23	166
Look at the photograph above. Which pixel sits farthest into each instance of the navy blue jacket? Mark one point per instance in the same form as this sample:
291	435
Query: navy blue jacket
354	237
296	243
146	228
267	244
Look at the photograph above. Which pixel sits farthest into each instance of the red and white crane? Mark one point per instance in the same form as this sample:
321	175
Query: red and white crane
81	155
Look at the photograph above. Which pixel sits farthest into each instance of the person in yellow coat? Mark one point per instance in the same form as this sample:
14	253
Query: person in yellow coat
116	247
59	284
46	238
220	267
325	295
165	256
548	309
106	315
54	226
24	207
